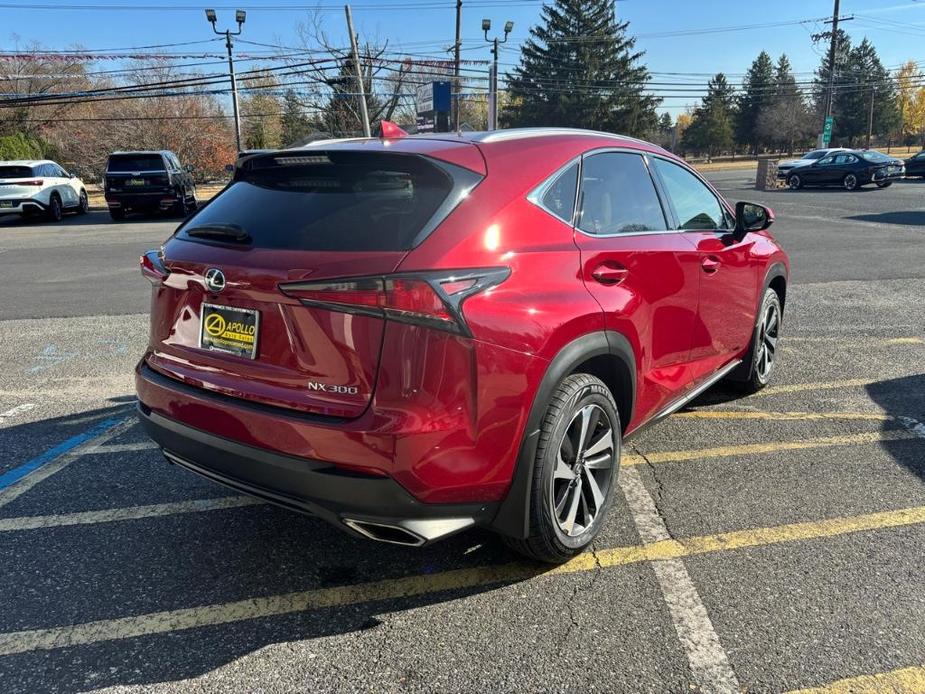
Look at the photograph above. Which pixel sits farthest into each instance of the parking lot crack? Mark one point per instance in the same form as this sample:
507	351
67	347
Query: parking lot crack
658	491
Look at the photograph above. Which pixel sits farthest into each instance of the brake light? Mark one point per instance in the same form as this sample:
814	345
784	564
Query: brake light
153	268
33	182
433	299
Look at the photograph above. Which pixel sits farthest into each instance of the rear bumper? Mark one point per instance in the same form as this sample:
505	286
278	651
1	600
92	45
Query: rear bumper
141	201
349	500
22	206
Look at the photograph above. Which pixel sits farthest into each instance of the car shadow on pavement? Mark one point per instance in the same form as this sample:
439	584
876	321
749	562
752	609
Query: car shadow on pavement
903	399
905	218
144	572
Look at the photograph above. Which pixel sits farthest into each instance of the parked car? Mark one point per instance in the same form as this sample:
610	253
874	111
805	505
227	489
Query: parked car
411	336
849	169
148	182
40	187
787	165
915	165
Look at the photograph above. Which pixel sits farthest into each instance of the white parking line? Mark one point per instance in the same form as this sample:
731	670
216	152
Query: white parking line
123	514
705	654
18	410
122	447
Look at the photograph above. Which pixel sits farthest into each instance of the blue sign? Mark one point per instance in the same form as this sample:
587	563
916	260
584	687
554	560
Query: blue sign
442	97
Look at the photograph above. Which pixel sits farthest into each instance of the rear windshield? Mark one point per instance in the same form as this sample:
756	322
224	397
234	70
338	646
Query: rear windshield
876	157
333	201
121	163
15	172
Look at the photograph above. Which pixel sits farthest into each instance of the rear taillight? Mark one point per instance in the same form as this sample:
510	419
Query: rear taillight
33	182
153	268
433	299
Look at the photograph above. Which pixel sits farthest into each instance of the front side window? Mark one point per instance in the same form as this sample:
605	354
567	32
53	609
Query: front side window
618	195
815	154
843	159
694	203
827	161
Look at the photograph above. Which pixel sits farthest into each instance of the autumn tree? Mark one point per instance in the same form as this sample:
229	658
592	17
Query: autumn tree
911	102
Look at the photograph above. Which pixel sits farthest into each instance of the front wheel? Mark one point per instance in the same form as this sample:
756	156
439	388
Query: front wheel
84	205
884	184
763	353
794	182
850	182
575	470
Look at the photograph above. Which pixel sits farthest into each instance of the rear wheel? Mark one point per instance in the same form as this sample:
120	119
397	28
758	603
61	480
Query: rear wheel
850	182
575	470
794	182
763	354
55	210
884	184
84	205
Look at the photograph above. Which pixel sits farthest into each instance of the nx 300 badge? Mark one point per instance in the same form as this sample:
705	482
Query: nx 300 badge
340	390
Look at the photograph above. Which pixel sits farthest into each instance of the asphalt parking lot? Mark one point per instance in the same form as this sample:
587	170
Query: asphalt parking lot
785	549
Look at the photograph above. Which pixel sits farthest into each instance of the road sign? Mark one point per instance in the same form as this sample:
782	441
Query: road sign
433	96
827	131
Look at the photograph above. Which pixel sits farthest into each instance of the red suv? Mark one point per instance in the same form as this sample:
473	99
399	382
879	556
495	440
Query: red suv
411	336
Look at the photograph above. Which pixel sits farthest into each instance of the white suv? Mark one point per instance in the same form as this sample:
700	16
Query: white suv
29	187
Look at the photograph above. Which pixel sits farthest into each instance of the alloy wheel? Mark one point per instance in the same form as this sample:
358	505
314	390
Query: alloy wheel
767	341
584	471
794	182
851	182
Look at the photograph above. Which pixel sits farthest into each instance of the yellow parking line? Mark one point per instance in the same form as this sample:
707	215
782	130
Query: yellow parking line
123	514
910	680
412	586
821	385
758	448
783	416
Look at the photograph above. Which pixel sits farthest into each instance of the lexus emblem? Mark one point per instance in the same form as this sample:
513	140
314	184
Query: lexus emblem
215	279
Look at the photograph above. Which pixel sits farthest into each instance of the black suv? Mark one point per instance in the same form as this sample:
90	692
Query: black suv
148	181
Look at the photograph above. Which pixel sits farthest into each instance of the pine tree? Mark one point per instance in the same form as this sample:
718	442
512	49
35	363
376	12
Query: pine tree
579	68
757	95
786	121
295	124
821	85
866	78
711	129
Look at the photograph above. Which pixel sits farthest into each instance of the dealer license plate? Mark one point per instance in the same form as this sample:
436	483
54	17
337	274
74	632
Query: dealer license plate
229	329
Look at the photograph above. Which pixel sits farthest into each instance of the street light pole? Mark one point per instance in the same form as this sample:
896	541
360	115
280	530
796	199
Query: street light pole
240	16
493	75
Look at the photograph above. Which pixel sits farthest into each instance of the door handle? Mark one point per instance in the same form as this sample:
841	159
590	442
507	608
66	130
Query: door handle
710	264
610	273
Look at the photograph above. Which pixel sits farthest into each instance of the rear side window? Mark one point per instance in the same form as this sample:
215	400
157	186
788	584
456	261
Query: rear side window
559	197
123	163
618	195
695	205
15	172
336	201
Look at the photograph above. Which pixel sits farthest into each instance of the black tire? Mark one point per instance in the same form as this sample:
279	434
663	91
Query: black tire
84	205
55	211
117	214
794	182
884	184
182	207
850	182
752	377
547	542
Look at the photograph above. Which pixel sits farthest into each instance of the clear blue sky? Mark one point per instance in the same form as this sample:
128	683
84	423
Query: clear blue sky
896	27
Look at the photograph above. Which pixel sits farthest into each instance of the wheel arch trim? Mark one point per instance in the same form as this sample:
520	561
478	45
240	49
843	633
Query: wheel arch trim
513	516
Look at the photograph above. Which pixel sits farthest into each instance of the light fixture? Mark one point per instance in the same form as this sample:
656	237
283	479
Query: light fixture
240	16
508	27
486	24
210	15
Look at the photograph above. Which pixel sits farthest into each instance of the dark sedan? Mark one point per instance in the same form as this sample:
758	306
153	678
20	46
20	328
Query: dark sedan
849	169
915	165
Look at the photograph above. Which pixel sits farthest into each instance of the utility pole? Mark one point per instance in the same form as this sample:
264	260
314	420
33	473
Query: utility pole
364	115
830	95
239	16
493	75
870	116
456	48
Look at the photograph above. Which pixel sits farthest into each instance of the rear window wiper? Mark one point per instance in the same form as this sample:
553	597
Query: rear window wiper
223	232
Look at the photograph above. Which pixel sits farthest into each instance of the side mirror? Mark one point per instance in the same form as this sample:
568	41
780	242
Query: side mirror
229	168
189	168
750	216
70	175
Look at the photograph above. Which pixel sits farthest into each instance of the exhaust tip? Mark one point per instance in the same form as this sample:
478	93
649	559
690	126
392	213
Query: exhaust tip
409	532
383	532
